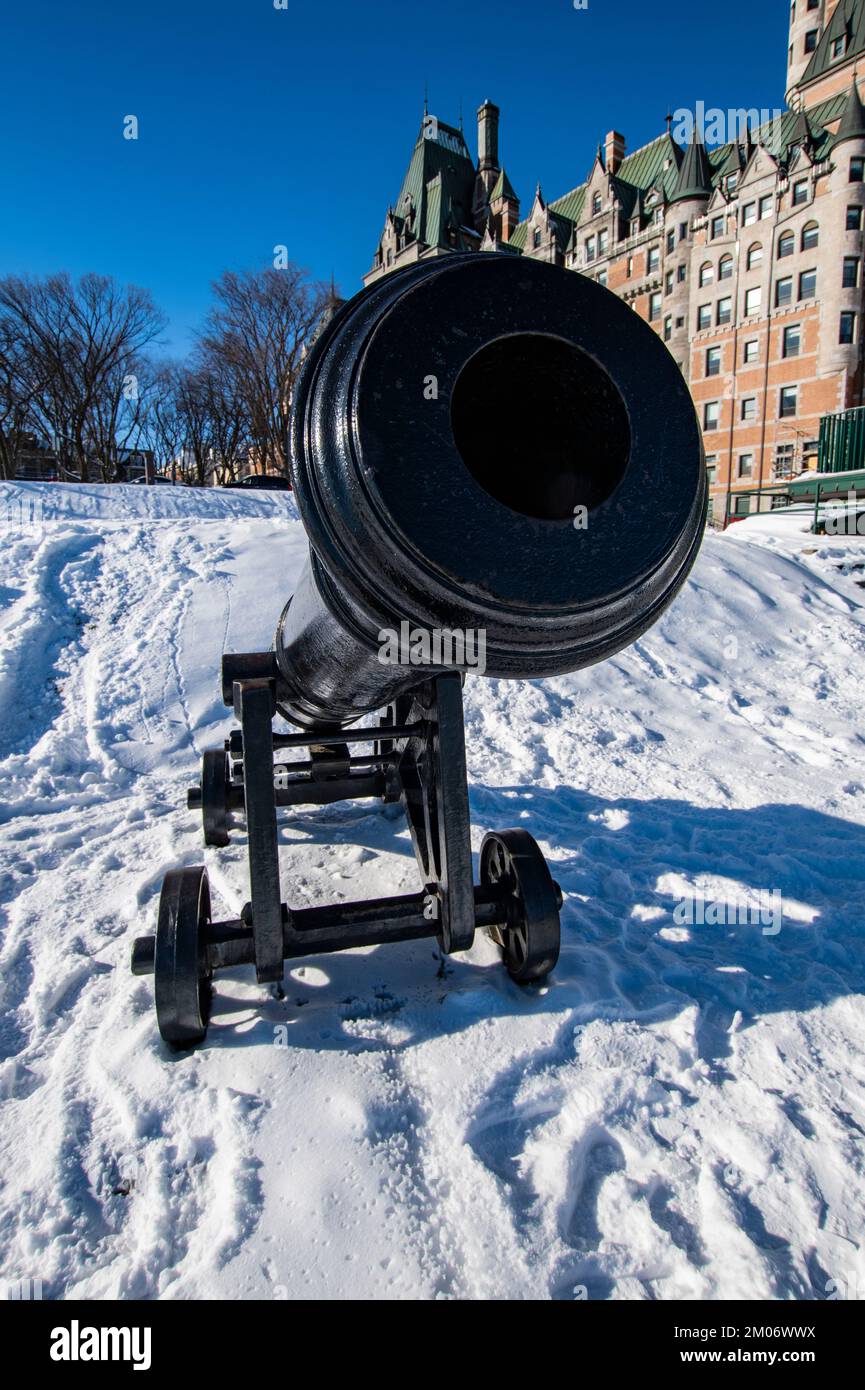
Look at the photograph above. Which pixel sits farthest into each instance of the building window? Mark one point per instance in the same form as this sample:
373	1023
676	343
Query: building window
707	274
683	231
718	227
711	472
749	408
746	465
590	248
808	284
784	291
704	316
711	414
602	278
668	328
680	275
788	402
810	236
811	40
854	219
800	193
654	307
725	268
839	47
671	241
755	256
753	301
596	204
630	266
766	205
752	351
536	239
603	243
857	169
847	333
732	182
713	361
791	341
742	506
850	273
725	311
669	281
653	259
749	214
786	245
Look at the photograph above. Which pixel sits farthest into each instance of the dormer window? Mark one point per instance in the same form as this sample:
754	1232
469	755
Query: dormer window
536	238
839	48
596	204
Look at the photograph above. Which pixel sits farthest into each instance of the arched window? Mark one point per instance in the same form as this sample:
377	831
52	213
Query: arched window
755	256
725	268
707	273
786	245
810	236
596	203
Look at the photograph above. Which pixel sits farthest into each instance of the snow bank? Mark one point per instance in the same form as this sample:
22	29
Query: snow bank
679	1113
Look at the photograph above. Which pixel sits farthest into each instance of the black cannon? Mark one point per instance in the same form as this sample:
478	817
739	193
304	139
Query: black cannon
500	472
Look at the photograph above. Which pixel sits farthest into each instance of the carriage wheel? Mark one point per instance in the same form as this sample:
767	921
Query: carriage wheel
214	796
512	861
181	974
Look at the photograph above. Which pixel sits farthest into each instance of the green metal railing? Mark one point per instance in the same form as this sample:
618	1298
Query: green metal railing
842	441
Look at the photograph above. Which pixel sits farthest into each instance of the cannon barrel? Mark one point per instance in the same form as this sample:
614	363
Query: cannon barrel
486	446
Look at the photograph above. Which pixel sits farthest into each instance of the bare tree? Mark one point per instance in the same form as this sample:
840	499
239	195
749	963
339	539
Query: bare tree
78	347
162	420
256	336
14	403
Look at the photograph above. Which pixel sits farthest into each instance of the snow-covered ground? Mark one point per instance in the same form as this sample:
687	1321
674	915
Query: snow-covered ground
679	1114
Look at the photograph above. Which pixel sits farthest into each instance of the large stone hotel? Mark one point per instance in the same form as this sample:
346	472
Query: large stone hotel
746	257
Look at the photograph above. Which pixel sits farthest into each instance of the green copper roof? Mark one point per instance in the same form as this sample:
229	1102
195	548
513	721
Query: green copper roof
698	168
502	188
852	125
848	22
695	175
640	171
439	183
645	168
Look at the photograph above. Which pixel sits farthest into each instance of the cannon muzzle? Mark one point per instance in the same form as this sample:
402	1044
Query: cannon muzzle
499	468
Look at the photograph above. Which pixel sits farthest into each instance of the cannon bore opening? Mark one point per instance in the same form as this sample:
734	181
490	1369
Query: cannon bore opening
540	426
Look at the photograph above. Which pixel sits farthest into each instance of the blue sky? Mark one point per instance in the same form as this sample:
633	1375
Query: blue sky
260	126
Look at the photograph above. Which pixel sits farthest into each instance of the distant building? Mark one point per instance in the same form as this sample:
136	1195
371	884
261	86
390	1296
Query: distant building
38	462
747	259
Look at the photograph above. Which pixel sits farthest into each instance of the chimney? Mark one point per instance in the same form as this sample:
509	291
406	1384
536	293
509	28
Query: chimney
488	137
614	151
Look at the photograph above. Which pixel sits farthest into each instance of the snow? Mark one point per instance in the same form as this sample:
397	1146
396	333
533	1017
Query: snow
678	1114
